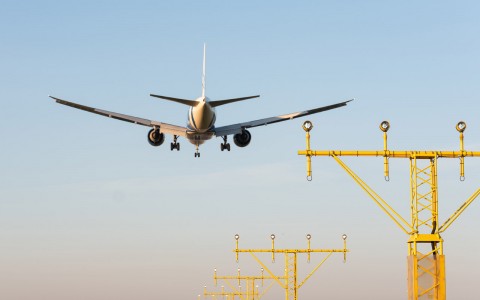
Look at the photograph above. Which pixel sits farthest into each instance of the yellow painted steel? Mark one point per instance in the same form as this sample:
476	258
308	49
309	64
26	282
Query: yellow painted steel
252	290
229	295
289	280
426	261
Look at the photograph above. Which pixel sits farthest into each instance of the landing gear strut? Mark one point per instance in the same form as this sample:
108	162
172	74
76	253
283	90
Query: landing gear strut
175	145
225	145
197	154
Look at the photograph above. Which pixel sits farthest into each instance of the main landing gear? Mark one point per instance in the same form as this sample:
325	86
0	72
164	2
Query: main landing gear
175	145
225	145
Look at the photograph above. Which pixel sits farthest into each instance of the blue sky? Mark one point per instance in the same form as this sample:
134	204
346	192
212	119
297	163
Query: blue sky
89	210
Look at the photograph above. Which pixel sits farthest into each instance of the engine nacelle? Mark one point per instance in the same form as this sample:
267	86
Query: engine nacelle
242	139
155	137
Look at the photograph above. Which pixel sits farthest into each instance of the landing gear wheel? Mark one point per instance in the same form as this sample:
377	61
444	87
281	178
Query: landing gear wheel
225	145
175	146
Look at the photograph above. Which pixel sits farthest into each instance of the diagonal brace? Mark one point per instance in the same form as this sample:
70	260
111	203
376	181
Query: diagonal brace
397	218
459	211
276	278
314	270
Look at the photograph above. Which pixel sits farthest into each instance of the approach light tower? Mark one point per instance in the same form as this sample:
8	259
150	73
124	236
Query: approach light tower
426	261
251	289
235	294
289	280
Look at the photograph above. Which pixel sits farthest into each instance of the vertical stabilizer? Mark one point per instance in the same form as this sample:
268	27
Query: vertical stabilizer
203	72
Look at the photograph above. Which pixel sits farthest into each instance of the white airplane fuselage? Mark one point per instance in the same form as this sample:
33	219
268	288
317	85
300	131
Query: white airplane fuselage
201	119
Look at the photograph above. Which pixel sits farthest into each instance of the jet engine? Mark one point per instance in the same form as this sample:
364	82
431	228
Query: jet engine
242	139
155	137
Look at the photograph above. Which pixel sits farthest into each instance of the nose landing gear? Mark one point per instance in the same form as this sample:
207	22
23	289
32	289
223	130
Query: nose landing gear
197	154
225	145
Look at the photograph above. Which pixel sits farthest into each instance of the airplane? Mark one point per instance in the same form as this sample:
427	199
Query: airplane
201	120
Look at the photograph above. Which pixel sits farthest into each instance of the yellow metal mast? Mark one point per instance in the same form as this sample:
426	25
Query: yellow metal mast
289	281
426	261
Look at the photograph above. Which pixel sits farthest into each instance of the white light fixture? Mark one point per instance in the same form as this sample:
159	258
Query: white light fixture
307	126
461	126
384	126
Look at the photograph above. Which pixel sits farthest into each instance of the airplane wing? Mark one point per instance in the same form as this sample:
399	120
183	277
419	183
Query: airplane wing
237	128
164	127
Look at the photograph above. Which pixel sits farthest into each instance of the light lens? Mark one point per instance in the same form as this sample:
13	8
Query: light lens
307	126
272	236
461	126
384	126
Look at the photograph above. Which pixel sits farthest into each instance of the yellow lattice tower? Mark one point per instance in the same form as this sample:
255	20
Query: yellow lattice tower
289	280
426	261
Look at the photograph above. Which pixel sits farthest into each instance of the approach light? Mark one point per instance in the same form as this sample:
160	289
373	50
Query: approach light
309	236
307	126
461	126
384	126
237	236
344	237
272	236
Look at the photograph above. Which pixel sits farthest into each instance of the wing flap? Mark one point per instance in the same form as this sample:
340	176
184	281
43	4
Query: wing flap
237	128
164	127
171	129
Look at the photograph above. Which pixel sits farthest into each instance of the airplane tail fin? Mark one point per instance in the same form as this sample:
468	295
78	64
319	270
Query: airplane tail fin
226	101
203	70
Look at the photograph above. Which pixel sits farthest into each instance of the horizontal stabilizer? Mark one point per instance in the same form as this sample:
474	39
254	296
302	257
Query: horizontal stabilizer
226	101
182	101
